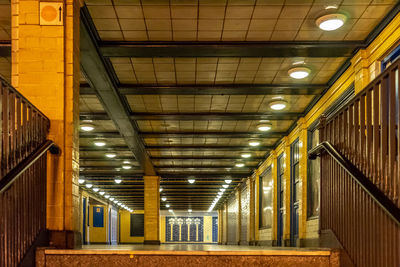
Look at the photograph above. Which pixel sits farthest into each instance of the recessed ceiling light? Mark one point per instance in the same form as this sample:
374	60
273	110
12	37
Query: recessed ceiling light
191	181
189	210
107	196
239	164
228	181
89	185
99	143
111	155
164	199
101	193
117	181
254	142
87	127
225	186
299	72
245	155
111	198
263	127
331	22
278	104
126	167
81	181
167	205
96	189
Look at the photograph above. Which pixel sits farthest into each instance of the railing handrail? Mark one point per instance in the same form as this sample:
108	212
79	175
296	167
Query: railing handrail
377	195
11	88
13	174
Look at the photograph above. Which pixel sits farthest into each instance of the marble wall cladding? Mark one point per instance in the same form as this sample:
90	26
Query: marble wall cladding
184	229
233	220
245	205
215	229
312	229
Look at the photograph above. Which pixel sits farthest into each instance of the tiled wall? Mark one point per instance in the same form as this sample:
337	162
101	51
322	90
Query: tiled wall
245	199
233	220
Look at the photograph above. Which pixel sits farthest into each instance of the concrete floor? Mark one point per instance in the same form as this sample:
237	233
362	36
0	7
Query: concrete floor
191	247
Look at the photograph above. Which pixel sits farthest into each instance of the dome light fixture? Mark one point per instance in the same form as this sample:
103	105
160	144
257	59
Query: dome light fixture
107	196
126	162
101	193
228	181
89	185
170	210
99	142
87	127
81	181
189	210
265	126
225	186
164	199
126	167
160	190
245	155
239	164
254	142
191	181
278	104
299	72
96	189
222	189
331	22
118	180
167	205
111	155
111	198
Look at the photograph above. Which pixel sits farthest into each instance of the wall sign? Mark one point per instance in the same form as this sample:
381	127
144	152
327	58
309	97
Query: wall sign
51	13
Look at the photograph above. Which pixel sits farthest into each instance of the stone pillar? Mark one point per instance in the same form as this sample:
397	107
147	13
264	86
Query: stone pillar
238	195
45	69
286	221
274	170
226	223
220	226
303	157
151	210
251	219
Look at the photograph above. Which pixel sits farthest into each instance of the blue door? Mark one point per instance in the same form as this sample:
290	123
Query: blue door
280	196
294	192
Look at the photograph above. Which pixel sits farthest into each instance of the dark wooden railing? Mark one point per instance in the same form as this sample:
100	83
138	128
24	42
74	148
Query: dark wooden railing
22	174
366	133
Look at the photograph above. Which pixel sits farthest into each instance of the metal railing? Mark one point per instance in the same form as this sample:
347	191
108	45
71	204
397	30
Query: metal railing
366	133
22	174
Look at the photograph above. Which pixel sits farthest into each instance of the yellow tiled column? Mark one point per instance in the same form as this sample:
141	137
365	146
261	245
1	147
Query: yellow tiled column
274	171
151	210
303	178
226	222
238	195
286	221
45	69
220	226
251	218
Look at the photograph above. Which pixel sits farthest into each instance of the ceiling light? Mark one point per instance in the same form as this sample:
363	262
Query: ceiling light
107	196
167	205
228	181
189	210
245	155
191	181
87	127
117	181
225	186
331	22
278	104
111	155
81	181
126	167
160	190
299	72
263	127
111	198
222	189
239	164
126	162
101	193
99	143
89	185
164	199
220	193
96	189
254	142
170	210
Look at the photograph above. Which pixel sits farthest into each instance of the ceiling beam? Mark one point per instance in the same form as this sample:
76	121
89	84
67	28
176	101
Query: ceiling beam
230	49
208	147
99	77
5	48
204	116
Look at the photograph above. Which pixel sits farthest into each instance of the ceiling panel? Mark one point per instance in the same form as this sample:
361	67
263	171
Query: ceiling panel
222	70
5	20
90	103
231	20
206	141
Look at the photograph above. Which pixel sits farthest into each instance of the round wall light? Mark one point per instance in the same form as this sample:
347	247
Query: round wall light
299	72
263	127
331	22
278	104
87	127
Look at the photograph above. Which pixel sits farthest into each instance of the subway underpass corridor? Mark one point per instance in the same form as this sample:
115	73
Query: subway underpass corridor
199	133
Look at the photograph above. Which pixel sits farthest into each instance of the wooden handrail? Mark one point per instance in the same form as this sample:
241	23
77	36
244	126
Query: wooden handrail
13	175
377	195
